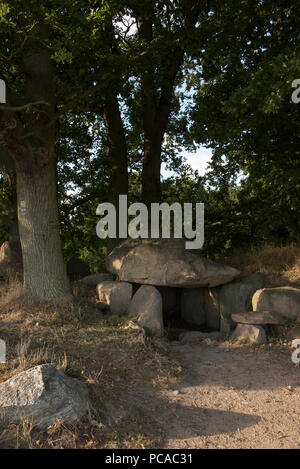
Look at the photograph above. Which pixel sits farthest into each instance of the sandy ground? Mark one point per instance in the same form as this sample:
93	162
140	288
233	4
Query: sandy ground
230	397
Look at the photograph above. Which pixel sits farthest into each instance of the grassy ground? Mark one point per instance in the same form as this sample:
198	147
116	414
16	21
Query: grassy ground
279	264
86	345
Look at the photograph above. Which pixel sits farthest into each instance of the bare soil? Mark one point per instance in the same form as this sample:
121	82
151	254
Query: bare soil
230	397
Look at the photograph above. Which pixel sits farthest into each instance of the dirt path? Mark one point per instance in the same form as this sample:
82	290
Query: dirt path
231	397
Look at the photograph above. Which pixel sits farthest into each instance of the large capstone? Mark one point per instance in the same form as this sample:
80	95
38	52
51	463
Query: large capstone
166	262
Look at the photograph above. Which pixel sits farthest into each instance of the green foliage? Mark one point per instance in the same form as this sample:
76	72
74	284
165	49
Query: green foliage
233	94
243	110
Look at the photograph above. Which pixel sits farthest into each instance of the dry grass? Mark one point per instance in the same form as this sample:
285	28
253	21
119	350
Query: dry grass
79	340
279	264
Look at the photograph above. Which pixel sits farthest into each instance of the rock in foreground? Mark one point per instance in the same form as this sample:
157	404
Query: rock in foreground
165	262
44	395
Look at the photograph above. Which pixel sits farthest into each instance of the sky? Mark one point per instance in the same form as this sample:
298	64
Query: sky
198	161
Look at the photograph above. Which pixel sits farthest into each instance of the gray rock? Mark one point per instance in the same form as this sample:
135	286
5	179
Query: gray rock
146	304
236	296
165	262
77	269
11	261
282	300
192	306
255	317
249	334
115	295
94	279
44	395
190	337
212	307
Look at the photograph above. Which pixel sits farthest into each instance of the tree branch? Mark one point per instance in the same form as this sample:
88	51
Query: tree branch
114	75
23	107
83	200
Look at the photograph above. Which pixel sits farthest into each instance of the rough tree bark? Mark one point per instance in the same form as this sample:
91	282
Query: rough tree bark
29	138
117	153
156	111
44	270
158	77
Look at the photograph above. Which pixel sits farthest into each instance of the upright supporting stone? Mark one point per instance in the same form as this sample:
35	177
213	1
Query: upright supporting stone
282	300
115	295
249	334
146	304
235	297
212	307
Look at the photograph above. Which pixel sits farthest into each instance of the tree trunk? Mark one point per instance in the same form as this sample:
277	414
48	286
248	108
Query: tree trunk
44	270
117	153
30	141
151	188
157	82
158	79
117	149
